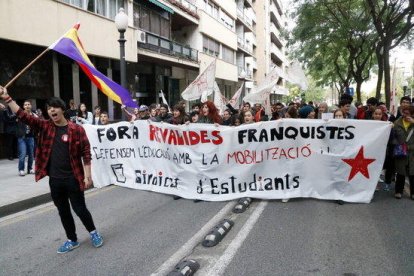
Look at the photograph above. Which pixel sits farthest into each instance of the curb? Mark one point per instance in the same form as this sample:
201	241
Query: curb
18	206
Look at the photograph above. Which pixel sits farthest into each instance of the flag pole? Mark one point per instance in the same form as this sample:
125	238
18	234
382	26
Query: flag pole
25	68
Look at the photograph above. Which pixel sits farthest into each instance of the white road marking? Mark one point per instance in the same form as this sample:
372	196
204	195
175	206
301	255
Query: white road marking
187	248
227	256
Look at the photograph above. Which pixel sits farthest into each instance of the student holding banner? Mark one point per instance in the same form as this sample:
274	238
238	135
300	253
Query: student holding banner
104	118
163	116
404	159
64	147
209	114
322	108
179	115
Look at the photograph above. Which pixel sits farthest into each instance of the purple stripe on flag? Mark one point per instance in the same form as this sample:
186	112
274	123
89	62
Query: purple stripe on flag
68	48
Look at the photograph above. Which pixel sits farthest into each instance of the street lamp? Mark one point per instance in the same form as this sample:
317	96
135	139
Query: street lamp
121	22
242	76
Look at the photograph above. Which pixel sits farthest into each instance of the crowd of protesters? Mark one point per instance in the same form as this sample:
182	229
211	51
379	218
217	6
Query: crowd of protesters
19	136
395	168
20	139
69	166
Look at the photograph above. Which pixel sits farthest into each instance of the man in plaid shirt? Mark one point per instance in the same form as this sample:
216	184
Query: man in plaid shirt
62	145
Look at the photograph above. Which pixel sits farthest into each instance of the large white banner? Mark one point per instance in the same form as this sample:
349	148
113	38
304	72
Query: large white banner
336	159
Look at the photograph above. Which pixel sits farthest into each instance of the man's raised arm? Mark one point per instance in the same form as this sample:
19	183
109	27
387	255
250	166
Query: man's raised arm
6	97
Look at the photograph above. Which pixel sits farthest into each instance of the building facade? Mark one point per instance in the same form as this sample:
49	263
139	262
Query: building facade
168	42
271	47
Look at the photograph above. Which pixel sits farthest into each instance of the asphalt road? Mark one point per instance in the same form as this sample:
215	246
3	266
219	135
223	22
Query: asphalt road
147	234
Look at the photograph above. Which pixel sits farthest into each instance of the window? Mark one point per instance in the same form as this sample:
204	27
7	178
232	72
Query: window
90	5
211	8
210	46
152	21
136	15
96	6
227	20
108	8
101	7
77	3
144	19
214	11
112	9
165	28
155	23
227	54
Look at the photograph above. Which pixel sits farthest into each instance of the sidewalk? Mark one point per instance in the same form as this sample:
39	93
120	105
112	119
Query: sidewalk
18	193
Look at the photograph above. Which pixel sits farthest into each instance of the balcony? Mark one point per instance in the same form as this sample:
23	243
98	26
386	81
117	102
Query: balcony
248	48
247	21
250	37
275	16
245	73
252	61
277	55
249	2
277	4
276	36
273	29
186	6
164	46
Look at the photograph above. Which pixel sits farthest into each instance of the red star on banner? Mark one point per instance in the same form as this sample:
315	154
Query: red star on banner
359	164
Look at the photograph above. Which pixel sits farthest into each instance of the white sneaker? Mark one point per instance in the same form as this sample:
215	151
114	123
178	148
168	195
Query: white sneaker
32	172
285	200
22	173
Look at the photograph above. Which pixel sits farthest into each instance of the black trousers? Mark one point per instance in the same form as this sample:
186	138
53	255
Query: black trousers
64	190
389	166
10	145
400	182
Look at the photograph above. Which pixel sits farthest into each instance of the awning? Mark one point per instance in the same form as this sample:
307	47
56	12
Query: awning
162	6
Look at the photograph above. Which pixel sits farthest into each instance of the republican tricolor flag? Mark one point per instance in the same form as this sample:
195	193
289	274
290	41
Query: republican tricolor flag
70	45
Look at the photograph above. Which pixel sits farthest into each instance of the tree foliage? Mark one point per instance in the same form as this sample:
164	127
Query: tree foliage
393	21
335	39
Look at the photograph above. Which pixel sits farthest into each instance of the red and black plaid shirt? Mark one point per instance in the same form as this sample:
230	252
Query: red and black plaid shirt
79	147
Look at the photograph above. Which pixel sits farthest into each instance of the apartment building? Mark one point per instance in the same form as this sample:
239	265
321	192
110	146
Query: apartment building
168	43
201	31
271	48
29	27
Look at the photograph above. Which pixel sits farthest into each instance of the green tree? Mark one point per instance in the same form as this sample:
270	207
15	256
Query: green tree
393	21
314	92
338	44
294	94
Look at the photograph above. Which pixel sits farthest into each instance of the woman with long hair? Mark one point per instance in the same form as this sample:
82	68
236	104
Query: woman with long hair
209	114
179	116
322	108
291	112
84	116
96	120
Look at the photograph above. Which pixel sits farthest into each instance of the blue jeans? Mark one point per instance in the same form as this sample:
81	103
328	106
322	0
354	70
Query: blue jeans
25	147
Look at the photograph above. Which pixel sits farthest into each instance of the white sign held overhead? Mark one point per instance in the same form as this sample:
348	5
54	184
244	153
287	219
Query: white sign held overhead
219	100
235	100
296	75
204	83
